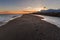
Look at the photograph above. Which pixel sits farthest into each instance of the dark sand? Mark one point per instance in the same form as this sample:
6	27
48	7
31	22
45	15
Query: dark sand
29	27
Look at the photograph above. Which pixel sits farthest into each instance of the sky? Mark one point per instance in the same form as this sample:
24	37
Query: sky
17	5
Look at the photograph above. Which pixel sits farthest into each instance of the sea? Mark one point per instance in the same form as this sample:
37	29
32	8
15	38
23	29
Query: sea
5	18
51	19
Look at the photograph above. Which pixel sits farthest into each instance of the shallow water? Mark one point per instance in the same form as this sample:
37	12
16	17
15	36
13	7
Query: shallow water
50	19
4	18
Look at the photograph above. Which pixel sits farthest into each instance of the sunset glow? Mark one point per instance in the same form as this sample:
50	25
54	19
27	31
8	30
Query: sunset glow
23	11
16	6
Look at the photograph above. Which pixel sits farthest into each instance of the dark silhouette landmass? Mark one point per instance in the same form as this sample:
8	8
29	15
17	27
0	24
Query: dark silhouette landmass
49	12
29	27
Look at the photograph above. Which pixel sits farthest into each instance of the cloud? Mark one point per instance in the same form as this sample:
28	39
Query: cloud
28	8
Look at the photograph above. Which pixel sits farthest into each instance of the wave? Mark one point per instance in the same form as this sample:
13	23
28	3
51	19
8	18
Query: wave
50	19
4	18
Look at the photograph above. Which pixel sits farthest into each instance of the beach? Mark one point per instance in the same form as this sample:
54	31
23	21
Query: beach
50	19
29	27
5	18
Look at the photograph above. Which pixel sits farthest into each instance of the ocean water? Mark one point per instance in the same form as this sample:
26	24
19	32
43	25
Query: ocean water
4	18
50	19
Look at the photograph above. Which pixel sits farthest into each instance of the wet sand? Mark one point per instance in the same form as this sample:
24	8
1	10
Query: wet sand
29	27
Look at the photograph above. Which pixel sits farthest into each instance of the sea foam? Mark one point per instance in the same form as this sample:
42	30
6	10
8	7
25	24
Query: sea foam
50	19
4	18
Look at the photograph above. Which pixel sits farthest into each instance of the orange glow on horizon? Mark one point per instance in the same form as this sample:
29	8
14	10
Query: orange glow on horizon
25	11
16	12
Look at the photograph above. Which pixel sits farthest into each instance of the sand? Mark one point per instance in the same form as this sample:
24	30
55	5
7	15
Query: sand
29	27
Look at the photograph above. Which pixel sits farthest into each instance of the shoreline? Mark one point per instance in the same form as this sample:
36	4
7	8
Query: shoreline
50	19
6	21
29	27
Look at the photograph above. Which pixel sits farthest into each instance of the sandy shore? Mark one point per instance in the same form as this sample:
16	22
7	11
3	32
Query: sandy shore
29	27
